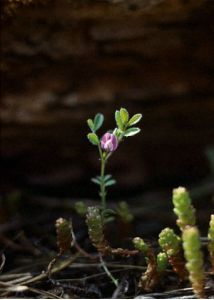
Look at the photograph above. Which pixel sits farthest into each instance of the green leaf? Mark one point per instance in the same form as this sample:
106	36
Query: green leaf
132	131
118	120
124	115
93	138
98	121
109	212
107	177
117	132
135	119
96	180
108	219
108	215
90	124
110	182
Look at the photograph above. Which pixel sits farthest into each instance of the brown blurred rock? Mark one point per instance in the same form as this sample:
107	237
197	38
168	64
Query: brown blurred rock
63	61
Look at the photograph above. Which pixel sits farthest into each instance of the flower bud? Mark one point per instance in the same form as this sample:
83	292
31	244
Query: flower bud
109	142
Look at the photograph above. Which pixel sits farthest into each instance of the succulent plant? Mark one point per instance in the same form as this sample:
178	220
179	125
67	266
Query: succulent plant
64	237
171	245
95	229
162	262
169	241
194	259
183	208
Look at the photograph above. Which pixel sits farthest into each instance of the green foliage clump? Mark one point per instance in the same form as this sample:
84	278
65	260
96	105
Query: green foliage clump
194	259
183	208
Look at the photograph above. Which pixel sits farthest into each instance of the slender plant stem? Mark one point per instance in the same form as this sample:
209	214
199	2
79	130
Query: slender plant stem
103	160
108	273
102	184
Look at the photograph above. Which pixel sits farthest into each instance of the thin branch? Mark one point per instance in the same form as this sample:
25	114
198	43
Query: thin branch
62	265
103	264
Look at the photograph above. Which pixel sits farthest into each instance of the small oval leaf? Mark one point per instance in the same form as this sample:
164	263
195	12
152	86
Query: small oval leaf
118	120
110	182
98	121
93	138
107	177
135	119
95	180
109	212
124	115
90	124
132	131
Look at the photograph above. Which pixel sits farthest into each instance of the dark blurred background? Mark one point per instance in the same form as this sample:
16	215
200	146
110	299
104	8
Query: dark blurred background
63	61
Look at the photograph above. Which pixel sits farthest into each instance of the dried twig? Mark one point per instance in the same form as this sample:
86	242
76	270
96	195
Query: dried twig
62	265
3	260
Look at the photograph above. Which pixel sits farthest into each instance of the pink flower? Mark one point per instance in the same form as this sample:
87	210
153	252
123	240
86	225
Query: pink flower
109	142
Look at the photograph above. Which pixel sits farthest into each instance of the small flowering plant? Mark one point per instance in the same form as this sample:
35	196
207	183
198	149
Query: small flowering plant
107	144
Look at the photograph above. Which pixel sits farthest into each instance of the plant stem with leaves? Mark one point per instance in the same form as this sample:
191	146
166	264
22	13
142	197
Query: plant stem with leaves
107	144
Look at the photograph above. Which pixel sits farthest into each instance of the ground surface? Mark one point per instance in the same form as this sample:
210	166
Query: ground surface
28	241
